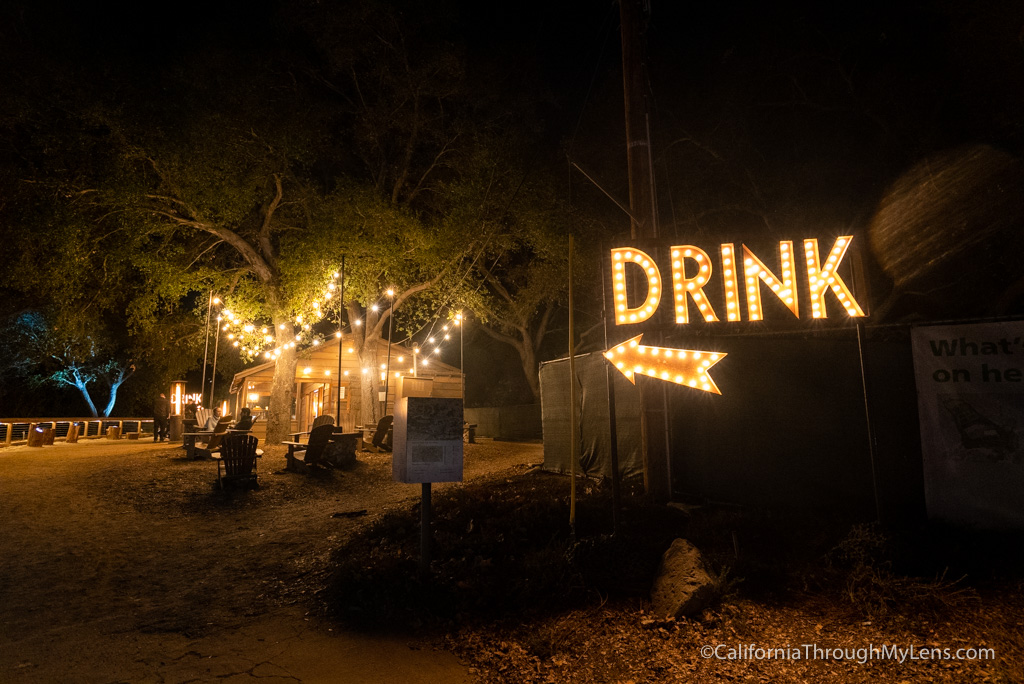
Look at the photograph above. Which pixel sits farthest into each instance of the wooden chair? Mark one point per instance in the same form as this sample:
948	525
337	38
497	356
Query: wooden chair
383	436
326	419
239	427
300	456
202	415
207	449
237	459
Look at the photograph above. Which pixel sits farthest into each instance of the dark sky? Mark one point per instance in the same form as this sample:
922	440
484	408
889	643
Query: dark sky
909	52
764	115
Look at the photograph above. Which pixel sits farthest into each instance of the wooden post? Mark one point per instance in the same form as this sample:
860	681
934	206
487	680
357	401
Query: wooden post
572	403
644	224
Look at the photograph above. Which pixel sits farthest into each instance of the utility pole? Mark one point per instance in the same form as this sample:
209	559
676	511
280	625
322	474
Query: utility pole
633	15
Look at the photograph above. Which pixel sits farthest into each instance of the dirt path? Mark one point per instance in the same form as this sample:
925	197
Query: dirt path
120	562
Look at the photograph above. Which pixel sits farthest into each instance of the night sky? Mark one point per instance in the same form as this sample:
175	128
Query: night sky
771	119
798	84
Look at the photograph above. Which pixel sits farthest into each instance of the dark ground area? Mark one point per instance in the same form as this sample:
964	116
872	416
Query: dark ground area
520	598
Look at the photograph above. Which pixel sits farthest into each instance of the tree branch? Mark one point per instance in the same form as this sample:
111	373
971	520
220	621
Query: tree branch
502	337
410	147
433	164
378	329
542	326
266	246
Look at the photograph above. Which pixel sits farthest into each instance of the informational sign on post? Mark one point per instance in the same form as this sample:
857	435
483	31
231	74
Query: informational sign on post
970	389
427	440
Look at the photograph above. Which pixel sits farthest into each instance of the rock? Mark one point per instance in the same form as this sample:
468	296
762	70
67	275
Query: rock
683	585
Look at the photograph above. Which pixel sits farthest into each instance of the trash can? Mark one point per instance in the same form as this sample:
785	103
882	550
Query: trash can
176	428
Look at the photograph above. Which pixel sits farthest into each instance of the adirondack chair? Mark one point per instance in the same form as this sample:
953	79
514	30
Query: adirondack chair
325	419
300	456
242	426
202	415
383	436
203	450
236	462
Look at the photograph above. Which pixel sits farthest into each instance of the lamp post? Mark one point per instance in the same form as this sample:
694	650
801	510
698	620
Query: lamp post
213	375
462	367
391	322
341	338
206	348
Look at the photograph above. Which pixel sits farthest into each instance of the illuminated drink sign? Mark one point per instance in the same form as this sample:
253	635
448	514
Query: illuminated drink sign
693	273
692	269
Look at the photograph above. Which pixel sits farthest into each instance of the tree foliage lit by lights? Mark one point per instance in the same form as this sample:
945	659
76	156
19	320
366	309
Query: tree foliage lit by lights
44	353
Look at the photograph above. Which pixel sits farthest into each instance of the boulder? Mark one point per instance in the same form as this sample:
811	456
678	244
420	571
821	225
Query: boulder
683	585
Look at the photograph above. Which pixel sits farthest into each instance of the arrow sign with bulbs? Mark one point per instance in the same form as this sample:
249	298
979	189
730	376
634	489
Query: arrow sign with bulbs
681	366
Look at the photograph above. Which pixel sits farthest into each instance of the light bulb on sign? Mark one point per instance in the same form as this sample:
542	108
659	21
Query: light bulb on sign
692	285
622	256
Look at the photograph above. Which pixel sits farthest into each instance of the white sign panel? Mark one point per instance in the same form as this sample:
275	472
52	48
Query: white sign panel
427	440
970	388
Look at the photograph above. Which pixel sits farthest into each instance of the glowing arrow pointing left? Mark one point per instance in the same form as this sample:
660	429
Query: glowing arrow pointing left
681	366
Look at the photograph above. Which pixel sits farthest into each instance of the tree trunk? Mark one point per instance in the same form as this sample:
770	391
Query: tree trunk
523	344
114	386
81	387
528	357
282	393
369	404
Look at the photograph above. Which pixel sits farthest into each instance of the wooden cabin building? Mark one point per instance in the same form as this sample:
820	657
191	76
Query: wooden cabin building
317	383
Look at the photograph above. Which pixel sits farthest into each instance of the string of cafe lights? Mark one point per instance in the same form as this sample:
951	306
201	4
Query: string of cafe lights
253	340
